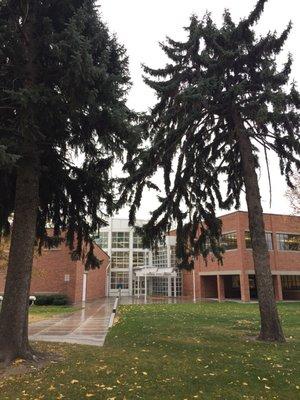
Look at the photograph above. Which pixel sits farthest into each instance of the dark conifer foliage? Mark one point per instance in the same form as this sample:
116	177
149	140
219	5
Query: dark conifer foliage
75	107
63	122
220	99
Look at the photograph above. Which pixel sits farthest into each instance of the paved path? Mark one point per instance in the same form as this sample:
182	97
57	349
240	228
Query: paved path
87	326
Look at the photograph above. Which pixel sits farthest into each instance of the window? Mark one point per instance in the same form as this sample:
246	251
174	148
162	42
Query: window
120	259
138	259
248	240
229	241
119	280
137	241
120	240
290	282
173	257
102	240
160	286
269	240
288	241
159	258
178	284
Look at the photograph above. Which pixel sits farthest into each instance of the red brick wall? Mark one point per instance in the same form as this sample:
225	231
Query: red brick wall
77	287
96	279
233	258
50	269
210	287
241	258
187	282
279	260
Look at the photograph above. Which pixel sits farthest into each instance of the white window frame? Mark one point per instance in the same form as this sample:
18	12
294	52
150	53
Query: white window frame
125	260
278	241
122	244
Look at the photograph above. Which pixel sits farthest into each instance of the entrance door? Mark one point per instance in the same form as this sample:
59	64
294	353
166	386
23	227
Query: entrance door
160	286
119	280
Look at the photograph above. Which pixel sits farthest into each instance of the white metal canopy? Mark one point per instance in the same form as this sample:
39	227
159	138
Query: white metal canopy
154	271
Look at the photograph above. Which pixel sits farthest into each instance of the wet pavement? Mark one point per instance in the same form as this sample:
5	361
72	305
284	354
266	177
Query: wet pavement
87	326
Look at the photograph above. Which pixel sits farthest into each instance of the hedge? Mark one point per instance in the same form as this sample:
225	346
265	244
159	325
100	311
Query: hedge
51	300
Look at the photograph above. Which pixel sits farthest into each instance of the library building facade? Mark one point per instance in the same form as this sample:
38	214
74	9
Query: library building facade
131	270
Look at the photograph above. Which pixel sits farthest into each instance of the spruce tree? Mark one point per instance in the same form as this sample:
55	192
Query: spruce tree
221	98
63	122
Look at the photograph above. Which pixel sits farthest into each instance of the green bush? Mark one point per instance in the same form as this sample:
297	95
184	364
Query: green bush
51	300
60	300
44	300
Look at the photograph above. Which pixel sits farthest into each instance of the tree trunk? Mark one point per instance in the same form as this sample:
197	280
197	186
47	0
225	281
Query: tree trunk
14	313
270	324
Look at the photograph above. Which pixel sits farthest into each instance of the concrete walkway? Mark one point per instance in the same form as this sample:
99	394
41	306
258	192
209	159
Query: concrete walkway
87	326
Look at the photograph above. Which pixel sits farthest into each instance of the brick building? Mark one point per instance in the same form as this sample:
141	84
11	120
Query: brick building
136	270
236	278
54	272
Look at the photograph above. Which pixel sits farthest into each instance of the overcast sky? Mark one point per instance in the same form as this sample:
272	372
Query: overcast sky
141	24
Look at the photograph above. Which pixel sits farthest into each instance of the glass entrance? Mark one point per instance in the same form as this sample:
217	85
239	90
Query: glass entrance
160	286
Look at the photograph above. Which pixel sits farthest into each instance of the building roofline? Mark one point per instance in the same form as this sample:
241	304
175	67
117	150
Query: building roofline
127	219
246	212
101	248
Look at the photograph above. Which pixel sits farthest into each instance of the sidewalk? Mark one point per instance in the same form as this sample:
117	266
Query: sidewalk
87	326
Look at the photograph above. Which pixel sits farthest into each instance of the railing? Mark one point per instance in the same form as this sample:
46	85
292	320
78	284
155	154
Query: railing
32	300
114	311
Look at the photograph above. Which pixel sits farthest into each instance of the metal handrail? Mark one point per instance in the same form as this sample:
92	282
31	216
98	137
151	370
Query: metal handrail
32	300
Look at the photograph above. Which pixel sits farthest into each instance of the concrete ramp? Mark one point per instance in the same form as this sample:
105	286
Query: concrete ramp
87	326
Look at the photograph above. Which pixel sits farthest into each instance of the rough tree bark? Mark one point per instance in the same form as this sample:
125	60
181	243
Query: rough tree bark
270	329
14	312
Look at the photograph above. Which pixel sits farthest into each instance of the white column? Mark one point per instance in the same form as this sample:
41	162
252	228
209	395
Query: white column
194	287
109	252
107	283
168	253
138	288
175	289
145	297
150	265
130	261
169	286
150	286
169	266
84	281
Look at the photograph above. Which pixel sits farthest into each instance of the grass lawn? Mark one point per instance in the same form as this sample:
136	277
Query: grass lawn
37	313
186	351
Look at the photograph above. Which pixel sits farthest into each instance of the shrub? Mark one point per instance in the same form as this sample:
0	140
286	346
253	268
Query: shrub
44	300
60	300
51	300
